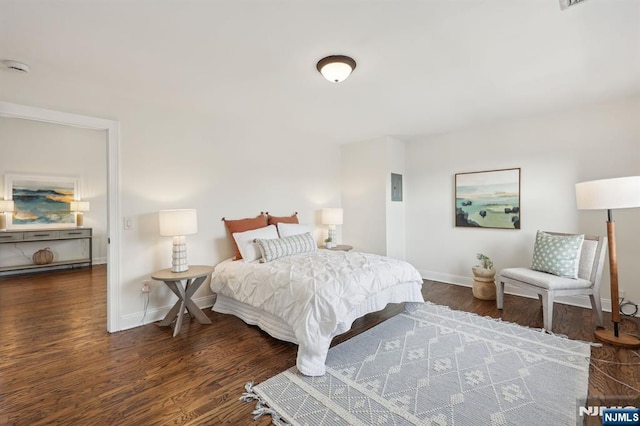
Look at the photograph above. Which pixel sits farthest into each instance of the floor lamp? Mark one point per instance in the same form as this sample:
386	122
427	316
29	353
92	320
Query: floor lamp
610	194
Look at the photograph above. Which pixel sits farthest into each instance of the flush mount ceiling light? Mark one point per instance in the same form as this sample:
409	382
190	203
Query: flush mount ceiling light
336	68
16	66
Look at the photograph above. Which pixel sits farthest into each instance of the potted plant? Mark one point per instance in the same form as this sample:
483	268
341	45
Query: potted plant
484	286
485	269
328	243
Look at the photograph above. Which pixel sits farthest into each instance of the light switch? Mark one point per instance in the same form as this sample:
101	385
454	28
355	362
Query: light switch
128	223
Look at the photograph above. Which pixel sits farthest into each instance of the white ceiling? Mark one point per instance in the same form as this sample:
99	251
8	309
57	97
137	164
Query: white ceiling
424	67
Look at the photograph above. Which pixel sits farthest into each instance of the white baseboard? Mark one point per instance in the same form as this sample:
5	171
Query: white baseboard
580	301
137	319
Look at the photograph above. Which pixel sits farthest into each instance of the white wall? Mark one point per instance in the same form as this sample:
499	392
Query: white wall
554	152
363	195
396	224
176	158
31	147
373	223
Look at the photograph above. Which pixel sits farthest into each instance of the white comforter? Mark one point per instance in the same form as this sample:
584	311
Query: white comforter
312	292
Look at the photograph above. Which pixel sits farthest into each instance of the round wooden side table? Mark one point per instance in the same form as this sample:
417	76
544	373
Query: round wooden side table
193	279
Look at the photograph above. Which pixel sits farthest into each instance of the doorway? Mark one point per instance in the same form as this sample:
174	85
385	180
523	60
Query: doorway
111	128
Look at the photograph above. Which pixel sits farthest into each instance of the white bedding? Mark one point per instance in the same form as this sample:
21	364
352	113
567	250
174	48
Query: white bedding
317	294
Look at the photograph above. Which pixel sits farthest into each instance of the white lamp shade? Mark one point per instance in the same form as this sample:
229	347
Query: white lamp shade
332	216
178	222
605	194
79	206
7	206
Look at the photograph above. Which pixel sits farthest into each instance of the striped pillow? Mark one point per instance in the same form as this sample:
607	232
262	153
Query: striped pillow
276	248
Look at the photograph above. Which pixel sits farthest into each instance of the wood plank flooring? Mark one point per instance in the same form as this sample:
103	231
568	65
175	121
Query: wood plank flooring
58	364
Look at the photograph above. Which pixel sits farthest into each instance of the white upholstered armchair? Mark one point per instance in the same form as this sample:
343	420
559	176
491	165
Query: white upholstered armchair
585	278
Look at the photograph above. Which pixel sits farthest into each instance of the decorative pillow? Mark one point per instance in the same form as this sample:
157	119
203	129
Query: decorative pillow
289	229
280	247
557	254
245	241
275	220
241	225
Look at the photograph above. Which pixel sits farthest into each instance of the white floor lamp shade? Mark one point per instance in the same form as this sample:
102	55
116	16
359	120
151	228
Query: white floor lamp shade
609	194
177	224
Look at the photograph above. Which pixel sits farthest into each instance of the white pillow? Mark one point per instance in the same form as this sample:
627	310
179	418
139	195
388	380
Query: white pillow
289	229
248	249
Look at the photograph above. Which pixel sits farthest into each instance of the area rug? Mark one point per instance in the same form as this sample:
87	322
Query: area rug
435	366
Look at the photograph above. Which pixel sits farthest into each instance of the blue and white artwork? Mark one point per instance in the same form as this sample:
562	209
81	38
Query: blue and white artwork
42	202
488	199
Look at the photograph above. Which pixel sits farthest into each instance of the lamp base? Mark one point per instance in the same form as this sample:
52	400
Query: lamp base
179	257
179	268
624	340
332	237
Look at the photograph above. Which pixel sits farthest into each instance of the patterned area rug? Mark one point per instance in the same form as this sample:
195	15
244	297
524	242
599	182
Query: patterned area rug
436	366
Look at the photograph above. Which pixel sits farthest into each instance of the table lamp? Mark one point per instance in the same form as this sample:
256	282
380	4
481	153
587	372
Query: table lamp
609	194
6	206
177	224
79	207
331	217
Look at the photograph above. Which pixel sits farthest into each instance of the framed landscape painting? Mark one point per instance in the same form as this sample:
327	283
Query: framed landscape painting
41	201
489	199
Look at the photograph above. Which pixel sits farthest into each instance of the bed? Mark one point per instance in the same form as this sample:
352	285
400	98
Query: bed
308	298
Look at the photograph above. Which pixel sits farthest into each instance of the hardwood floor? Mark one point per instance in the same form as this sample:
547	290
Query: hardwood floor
58	365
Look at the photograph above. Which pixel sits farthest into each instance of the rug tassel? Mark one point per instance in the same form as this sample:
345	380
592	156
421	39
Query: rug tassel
249	395
262	407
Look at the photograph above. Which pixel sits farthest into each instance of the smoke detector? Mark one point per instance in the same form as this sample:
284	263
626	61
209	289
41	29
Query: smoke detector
16	66
567	3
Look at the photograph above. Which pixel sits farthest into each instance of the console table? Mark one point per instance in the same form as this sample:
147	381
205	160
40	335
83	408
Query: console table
30	236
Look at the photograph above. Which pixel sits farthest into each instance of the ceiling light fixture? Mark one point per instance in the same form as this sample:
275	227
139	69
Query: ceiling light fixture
16	66
336	68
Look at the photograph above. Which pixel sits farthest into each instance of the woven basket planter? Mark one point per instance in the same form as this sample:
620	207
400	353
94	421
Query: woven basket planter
484	286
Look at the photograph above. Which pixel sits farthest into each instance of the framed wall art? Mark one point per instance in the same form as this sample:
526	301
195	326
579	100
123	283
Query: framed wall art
41	201
488	199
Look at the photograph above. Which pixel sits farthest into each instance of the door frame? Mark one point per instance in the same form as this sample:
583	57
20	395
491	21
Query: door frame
112	129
